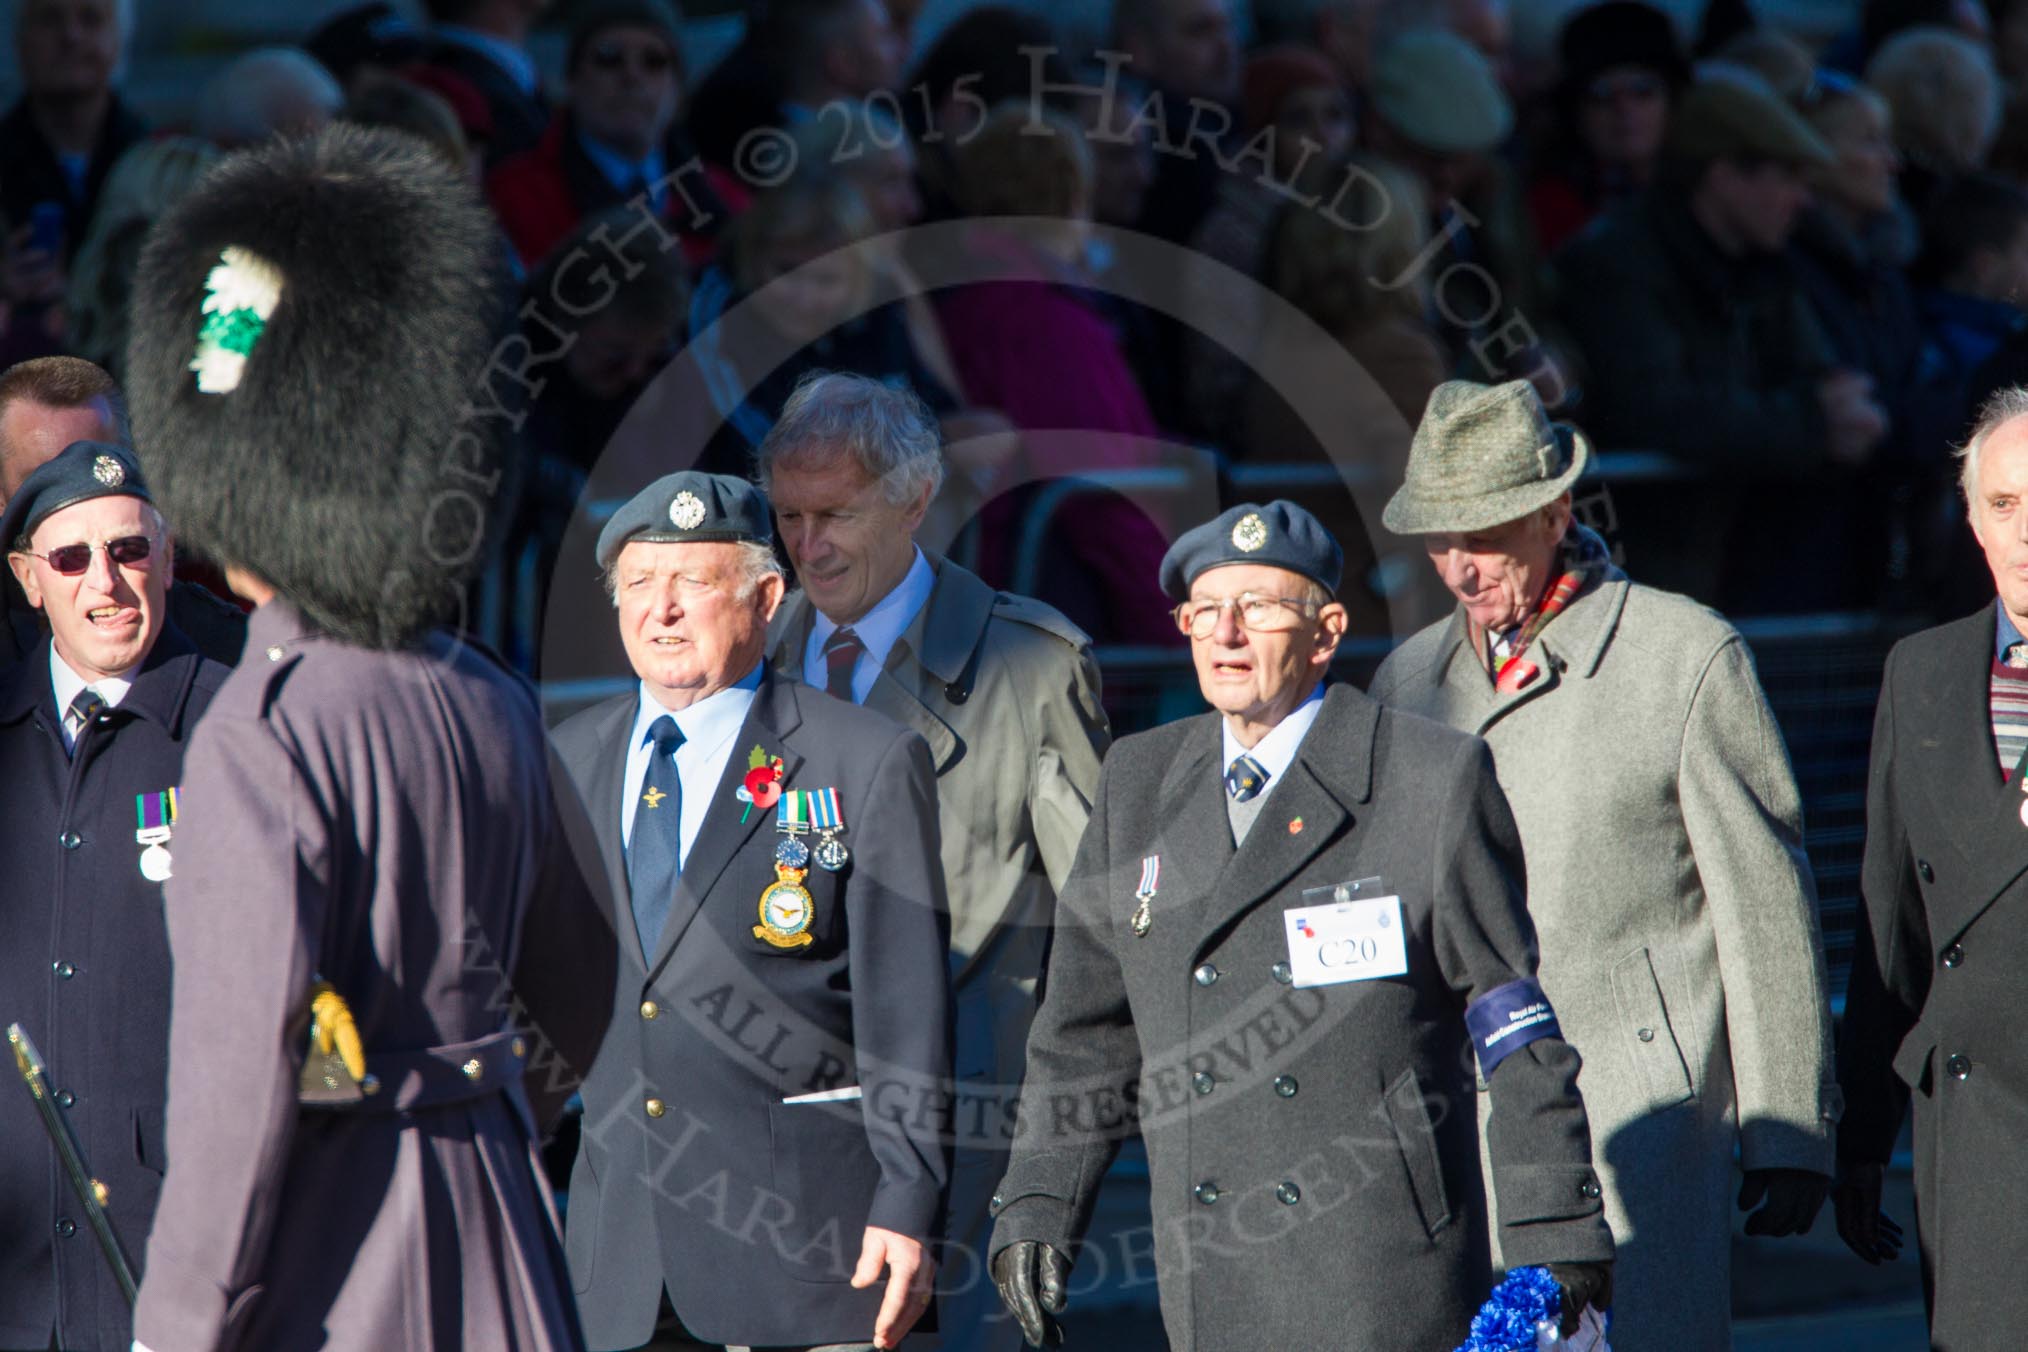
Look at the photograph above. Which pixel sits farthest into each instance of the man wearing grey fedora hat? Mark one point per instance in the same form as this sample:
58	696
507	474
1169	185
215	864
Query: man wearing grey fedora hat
1663	835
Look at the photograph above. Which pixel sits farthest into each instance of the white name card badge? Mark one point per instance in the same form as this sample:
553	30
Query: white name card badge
1345	941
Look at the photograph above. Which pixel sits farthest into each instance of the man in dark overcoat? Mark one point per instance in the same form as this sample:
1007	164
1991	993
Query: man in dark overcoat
368	837
1932	1014
1290	926
92	731
767	1126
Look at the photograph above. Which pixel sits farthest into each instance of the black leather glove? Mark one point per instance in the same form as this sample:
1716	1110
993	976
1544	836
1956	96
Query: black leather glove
1583	1284
1793	1198
1864	1227
1031	1277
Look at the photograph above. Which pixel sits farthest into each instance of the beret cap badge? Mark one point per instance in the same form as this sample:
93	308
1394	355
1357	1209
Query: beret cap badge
1249	532
687	511
109	471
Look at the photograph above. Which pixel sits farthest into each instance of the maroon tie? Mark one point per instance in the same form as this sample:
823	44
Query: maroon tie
841	655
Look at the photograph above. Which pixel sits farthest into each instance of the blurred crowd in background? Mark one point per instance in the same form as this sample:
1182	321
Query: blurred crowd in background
1781	272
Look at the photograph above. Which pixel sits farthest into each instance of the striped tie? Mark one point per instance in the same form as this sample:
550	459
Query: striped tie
1245	778
85	706
841	658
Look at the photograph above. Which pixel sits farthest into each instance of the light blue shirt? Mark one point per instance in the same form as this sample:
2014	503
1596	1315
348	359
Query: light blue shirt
515	63
67	683
709	728
2005	635
627	175
1276	752
879	629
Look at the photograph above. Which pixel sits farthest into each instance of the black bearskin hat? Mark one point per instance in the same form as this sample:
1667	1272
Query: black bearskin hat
308	329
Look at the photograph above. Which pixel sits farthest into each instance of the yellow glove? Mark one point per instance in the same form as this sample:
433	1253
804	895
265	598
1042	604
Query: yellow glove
331	1025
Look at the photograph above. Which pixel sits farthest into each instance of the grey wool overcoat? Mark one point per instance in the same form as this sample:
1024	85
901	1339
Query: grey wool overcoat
383	820
1677	917
1313	1150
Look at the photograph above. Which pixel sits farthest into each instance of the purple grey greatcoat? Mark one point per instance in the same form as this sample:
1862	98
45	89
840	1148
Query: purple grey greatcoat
384	820
84	968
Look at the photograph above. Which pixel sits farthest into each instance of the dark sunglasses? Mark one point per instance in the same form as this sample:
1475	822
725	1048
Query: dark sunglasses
611	56
125	552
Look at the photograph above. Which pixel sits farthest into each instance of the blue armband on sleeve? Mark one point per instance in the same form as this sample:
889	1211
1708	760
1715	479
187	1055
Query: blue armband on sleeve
1508	1018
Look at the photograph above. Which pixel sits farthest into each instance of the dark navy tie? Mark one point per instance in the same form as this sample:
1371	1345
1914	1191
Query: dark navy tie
656	850
84	707
1244	778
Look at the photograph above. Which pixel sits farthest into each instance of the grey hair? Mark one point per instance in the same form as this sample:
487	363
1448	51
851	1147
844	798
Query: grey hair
886	429
2003	407
757	562
238	106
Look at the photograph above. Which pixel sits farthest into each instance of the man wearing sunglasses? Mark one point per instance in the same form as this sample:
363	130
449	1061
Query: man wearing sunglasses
1291	925
92	731
47	403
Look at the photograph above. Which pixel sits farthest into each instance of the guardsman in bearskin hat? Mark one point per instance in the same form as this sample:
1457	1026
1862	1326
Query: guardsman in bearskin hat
367	837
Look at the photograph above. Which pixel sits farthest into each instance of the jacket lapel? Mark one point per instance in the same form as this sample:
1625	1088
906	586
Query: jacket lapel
608	787
1192	837
1307	812
769	722
1960	773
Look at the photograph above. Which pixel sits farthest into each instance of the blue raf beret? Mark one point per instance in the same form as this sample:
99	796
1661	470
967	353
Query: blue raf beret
689	507
80	472
1279	535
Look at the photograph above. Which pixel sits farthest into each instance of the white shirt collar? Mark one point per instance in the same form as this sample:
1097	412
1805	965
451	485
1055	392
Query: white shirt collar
624	174
67	683
880	628
518	65
707	722
1276	752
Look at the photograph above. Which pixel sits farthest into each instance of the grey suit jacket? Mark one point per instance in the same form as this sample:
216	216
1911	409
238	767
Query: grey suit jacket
1677	915
1313	1151
695	1172
1005	692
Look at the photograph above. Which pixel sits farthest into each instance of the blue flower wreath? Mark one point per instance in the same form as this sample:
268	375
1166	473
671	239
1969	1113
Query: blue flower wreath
1506	1322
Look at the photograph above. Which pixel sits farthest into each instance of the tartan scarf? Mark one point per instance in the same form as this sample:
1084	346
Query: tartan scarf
1582	559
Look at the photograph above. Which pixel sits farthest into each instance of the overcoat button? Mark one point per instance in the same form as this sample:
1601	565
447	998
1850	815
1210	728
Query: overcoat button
1922	867
473	1069
1588	1188
1206	974
275	652
649	1009
64	970
64	1098
1285	1085
1958	1067
656	1107
1953	955
1645	1034
1206	1193
66	1227
70	840
998	1201
1202	1082
1280	972
1288	1194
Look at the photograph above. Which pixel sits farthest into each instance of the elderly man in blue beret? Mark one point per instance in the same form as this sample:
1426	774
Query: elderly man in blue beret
778	1068
93	725
1293	925
1663	829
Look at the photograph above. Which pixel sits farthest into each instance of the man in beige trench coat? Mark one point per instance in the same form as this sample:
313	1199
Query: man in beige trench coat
1663	836
1004	690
